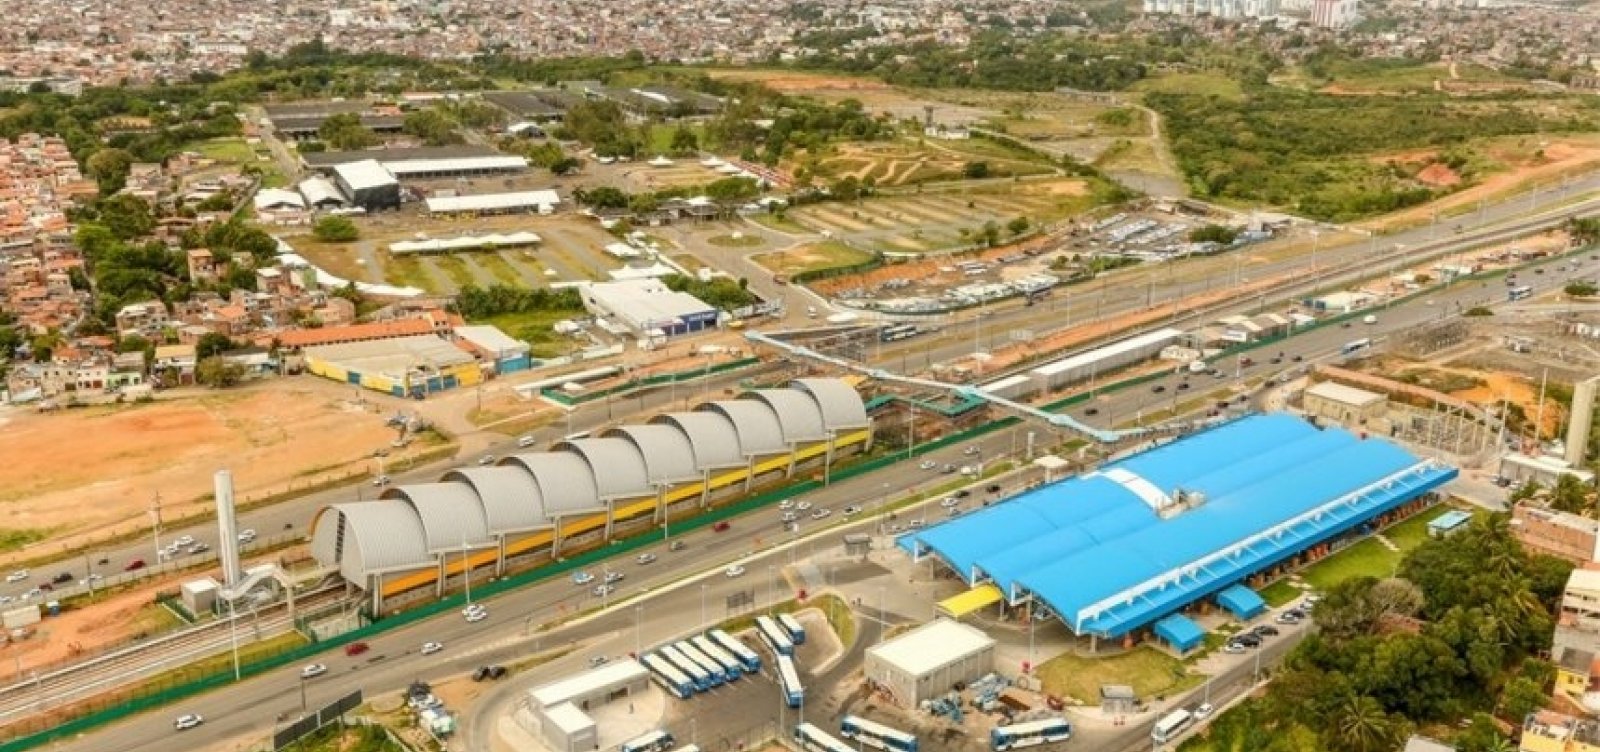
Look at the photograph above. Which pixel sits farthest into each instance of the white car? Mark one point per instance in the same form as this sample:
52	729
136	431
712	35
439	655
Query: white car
187	540
582	578
246	535
526	441
971	450
186	722
645	559
852	509
803	506
17	576
429	648
786	504
614	577
949	501
31	594
92	579
487	459
601	591
315	669
820	514
475	613
1204	711
928	465
734	571
381	481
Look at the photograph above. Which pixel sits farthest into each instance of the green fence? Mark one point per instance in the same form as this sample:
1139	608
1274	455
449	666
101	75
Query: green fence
648	381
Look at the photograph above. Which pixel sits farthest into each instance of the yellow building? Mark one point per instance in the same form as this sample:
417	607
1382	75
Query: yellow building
398	366
1548	731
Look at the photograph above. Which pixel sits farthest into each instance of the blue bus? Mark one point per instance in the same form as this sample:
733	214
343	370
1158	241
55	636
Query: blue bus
655	741
750	658
789	680
701	678
876	735
776	637
731	667
719	675
812	739
1030	733
791	625
668	676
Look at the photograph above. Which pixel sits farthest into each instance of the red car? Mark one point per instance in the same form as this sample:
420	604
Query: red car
721	526
355	648
135	564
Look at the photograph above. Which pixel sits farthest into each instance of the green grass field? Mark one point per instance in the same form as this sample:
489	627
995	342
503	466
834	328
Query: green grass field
1147	670
533	327
225	150
1194	83
1369	558
824	255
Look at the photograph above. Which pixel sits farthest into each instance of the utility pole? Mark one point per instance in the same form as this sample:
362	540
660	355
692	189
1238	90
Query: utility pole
155	524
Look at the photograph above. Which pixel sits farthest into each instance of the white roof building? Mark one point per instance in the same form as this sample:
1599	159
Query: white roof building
318	191
579	689
366	174
410	167
495	202
930	660
278	198
648	306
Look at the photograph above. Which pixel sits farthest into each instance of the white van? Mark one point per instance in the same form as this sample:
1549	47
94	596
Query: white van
526	441
1370	319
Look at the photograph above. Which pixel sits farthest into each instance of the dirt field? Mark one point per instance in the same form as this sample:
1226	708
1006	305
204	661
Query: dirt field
1526	163
271	434
935	221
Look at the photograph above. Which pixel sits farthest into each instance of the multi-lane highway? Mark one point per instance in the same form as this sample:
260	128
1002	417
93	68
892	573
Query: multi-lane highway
252	706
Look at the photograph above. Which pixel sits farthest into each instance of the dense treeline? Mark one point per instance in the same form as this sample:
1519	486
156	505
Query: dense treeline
1309	152
1455	636
477	302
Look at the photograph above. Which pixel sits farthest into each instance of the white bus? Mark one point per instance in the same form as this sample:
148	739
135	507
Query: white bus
655	741
1030	733
750	658
701	677
794	694
719	675
813	739
776	637
668	676
731	667
1355	346
1171	725
791	625
877	735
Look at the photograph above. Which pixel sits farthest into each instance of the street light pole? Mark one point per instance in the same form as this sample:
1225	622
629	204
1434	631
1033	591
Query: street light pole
638	612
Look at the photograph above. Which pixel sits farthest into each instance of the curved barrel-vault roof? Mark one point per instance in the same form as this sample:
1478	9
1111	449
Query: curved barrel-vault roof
511	500
451	514
754	423
566	483
842	406
668	455
712	436
619	468
798	414
379	536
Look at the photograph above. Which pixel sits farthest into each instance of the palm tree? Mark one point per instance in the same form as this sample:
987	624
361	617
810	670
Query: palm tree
1360	725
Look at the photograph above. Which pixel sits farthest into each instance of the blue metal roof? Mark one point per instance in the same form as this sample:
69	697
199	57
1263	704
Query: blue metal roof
1242	601
1180	632
1097	552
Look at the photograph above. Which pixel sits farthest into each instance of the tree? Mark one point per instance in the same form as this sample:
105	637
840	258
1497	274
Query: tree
605	197
975	170
991	233
211	344
684	141
565	165
1360	725
344	131
432	127
733	189
1521	697
133	343
1017	226
335	229
1213	233
1580	289
109	168
1570	495
218	373
126	216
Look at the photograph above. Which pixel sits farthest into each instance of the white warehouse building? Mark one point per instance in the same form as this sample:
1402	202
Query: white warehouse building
930	660
559	708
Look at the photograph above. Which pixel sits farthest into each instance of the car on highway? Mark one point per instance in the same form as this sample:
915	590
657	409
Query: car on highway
247	535
928	465
734	571
313	670
786	504
429	648
643	559
993	488
199	548
188	721
1158	388
969	470
582	578
721	527
603	590
183	540
947	469
1298	358
356	648
133	565
37	592
852	509
1203	711
820	514
971	450
790	517
475	612
949	501
596	661
17	576
62	577
525	441
1092	411
803	506
614	577
92	579
487	459
488	672
381	481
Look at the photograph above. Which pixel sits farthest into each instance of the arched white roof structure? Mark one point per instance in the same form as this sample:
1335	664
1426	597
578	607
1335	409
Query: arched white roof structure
566	483
799	416
413	525
511	500
711	435
668	455
754	423
451	514
618	467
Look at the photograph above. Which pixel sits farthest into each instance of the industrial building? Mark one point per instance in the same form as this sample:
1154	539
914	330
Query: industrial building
531	507
398	366
543	202
649	307
1136	542
1343	404
559	708
929	661
1084	365
367	184
424	163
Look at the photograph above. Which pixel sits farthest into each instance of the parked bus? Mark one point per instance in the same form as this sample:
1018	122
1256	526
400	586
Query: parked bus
877	735
776	638
1171	725
1519	292
655	741
813	739
701	677
731	667
750	658
797	633
1356	346
719	675
1030	733
789	680
668	676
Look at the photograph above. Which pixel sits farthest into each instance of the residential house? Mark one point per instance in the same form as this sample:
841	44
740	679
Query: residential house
1542	530
145	318
174	365
1548	731
203	266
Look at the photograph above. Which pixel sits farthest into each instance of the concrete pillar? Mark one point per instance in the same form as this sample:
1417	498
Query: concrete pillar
705	489
611	517
500	561
794	450
749	473
1583	398
438	583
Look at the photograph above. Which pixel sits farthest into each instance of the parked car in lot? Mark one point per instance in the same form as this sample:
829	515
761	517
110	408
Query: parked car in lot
488	672
1233	647
1265	630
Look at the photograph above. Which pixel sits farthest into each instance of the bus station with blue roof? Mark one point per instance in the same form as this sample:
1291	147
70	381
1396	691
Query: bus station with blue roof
1135	543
